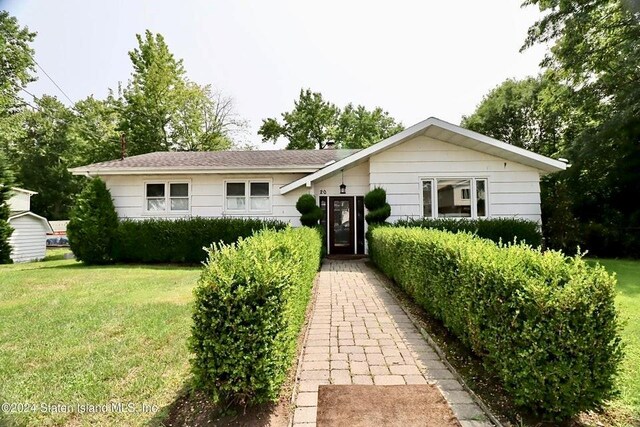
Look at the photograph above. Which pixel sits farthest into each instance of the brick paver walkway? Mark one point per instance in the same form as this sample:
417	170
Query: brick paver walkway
358	334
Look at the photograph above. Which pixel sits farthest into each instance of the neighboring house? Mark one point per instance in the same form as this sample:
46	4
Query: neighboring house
28	240
431	169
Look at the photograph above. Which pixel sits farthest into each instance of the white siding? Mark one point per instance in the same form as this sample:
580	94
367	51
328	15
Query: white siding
28	240
19	202
207	195
356	179
514	189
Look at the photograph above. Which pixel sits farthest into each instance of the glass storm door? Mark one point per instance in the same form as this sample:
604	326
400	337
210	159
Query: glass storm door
341	225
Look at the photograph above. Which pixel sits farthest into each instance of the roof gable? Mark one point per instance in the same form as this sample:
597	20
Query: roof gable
447	132
45	222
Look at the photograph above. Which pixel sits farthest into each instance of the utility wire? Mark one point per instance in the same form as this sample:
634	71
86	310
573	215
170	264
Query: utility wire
52	81
86	129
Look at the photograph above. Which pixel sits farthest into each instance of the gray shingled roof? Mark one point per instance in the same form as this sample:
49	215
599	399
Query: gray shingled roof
225	159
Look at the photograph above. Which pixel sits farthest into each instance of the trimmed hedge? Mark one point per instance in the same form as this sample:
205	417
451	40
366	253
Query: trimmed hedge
250	306
545	324
506	230
180	240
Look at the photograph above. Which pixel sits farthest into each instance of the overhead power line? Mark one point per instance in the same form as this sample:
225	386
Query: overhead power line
52	81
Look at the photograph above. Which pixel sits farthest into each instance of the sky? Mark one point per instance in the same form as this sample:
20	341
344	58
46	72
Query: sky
415	59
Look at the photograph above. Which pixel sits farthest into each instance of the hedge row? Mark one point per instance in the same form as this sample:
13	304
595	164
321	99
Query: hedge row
249	309
180	240
545	324
506	230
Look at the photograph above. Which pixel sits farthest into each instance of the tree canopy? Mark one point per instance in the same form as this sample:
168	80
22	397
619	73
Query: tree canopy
313	122
584	106
159	109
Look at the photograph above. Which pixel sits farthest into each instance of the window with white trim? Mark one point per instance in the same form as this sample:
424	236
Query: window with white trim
247	196
163	197
454	197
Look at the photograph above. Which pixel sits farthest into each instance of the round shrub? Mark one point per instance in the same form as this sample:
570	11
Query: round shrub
93	224
376	203
311	212
375	198
306	203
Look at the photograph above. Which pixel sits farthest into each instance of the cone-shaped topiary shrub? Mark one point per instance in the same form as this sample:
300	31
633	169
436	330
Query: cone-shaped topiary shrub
6	180
376	203
93	224
311	212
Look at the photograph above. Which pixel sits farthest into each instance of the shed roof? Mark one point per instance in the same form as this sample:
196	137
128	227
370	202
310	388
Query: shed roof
20	214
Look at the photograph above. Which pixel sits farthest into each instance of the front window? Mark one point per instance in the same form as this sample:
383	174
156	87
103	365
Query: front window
179	194
167	197
236	196
427	204
451	202
248	196
259	196
454	198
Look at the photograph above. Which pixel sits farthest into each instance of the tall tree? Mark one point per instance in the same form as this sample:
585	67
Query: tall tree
16	61
596	51
94	129
16	71
165	111
152	95
532	113
205	120
313	122
45	154
6	181
358	127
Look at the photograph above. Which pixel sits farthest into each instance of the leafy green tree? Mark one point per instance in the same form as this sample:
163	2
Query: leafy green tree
16	71
529	113
596	52
6	180
151	98
16	57
164	111
313	122
94	129
44	155
359	128
93	224
205	120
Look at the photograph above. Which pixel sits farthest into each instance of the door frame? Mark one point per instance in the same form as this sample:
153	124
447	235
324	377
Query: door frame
359	225
331	223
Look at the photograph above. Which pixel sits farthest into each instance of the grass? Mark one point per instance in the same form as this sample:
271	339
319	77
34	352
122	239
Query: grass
77	335
628	302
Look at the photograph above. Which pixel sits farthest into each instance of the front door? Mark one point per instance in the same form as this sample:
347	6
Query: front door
341	225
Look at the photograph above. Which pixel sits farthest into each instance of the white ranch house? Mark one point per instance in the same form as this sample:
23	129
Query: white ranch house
431	169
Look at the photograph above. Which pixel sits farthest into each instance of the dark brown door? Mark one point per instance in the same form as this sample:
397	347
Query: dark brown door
341	225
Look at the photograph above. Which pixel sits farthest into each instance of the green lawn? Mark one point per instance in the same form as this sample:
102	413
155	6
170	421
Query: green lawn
71	334
628	301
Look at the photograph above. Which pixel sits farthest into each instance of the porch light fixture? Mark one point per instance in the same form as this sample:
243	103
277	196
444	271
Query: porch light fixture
343	188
